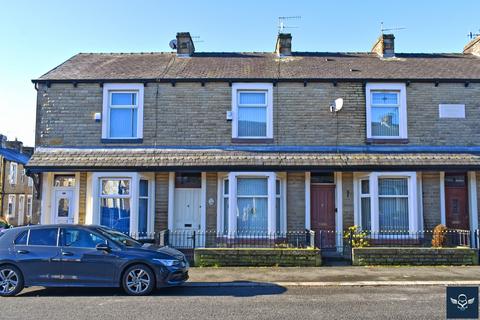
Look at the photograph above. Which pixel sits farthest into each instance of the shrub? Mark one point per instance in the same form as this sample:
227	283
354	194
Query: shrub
355	237
439	238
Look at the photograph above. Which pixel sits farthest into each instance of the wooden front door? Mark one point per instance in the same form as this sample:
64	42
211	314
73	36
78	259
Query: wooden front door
456	201
322	204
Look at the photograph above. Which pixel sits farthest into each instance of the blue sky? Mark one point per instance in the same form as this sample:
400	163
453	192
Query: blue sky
35	36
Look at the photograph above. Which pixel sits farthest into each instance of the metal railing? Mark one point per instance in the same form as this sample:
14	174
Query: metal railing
190	239
396	238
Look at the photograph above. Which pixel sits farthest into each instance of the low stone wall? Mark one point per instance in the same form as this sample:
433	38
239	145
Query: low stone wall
414	256
257	257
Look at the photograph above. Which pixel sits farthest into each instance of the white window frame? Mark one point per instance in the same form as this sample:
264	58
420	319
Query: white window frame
12	201
134	178
30	182
29	205
402	112
236	89
413	219
21	204
108	88
13	174
232	177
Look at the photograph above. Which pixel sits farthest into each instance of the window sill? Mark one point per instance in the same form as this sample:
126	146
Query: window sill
252	140
386	141
139	140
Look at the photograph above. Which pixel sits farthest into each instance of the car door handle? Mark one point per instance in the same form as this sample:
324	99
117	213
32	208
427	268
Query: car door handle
22	251
66	253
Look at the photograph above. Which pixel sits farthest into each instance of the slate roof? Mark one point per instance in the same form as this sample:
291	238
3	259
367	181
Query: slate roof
13	155
213	159
311	65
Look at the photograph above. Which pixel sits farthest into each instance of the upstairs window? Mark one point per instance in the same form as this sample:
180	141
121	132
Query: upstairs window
122	111
386	111
252	111
13	173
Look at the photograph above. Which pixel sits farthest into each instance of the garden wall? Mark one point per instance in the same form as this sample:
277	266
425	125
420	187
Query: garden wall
414	256
257	257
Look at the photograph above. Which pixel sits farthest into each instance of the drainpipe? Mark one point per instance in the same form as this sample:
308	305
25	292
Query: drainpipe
2	192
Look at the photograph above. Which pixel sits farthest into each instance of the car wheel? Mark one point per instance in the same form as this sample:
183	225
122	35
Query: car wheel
11	281
138	280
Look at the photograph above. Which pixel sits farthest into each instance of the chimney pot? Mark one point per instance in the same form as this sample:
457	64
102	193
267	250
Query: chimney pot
473	47
385	46
284	44
185	45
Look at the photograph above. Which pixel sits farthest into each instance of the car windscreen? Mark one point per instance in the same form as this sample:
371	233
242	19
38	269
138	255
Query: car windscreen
119	237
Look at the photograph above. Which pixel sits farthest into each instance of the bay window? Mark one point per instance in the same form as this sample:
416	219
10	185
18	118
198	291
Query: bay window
386	111
252	203
387	202
122	111
252	110
124	202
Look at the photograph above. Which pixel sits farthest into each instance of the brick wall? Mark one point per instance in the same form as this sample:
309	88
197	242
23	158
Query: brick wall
161	201
431	199
295	201
189	114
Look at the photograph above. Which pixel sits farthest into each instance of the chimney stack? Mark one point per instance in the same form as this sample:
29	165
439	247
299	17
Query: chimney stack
284	44
3	141
385	46
15	145
185	45
473	47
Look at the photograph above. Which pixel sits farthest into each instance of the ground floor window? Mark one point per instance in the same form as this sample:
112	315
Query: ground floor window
124	202
12	199
386	202
252	203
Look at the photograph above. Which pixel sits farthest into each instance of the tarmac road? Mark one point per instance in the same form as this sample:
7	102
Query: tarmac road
256	302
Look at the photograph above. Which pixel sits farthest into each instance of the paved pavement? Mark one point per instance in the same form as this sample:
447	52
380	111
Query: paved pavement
336	275
273	302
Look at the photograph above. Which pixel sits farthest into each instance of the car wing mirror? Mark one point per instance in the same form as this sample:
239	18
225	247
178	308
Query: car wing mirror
103	247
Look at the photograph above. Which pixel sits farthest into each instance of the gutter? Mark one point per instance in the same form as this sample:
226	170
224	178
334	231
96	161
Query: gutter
465	81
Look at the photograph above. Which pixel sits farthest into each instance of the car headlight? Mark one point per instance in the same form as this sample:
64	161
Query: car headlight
167	262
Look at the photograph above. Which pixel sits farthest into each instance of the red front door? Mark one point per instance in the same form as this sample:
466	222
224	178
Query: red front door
322	219
456	201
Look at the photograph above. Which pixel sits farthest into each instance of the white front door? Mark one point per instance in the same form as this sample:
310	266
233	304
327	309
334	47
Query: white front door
63	206
21	210
187	209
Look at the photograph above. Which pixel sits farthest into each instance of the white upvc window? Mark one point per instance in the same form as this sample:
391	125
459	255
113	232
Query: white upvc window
124	202
30	182
21	204
122	111
387	201
29	205
13	175
252	110
12	199
252	202
386	111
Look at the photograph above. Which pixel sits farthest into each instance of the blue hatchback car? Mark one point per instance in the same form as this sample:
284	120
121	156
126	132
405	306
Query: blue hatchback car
85	256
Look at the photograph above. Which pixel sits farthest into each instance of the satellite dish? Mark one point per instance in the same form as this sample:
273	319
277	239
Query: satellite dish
337	105
173	44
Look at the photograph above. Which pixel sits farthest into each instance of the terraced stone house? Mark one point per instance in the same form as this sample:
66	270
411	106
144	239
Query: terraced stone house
18	201
249	142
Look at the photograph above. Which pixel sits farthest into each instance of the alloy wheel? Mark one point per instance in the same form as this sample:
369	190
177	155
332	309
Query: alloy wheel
8	281
138	281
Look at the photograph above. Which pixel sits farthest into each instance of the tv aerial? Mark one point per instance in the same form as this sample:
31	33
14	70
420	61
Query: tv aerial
337	105
472	35
173	44
282	21
382	29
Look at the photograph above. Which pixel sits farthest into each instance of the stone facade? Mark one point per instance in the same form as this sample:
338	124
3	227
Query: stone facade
431	199
189	114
